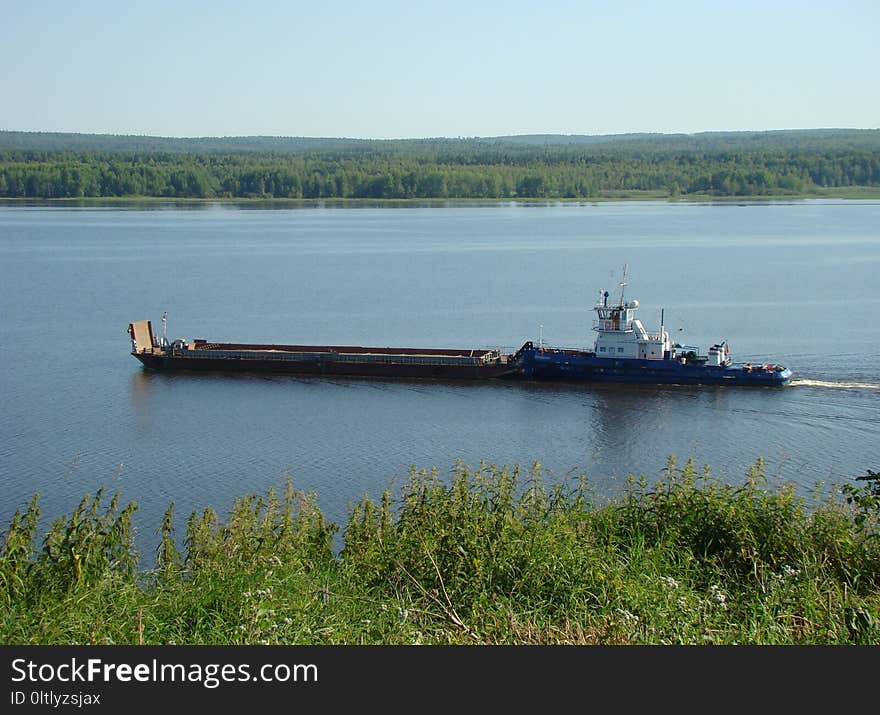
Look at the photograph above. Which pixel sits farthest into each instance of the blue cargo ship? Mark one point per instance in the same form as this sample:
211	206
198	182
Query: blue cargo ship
625	351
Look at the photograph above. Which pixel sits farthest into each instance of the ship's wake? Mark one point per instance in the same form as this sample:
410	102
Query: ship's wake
839	385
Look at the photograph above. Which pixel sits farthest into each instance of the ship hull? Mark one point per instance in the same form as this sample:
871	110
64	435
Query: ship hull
569	365
529	363
325	367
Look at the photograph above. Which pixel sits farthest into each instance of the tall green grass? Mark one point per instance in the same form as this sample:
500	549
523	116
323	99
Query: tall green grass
487	555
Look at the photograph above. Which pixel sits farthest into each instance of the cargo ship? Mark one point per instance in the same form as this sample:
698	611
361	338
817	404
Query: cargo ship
624	351
157	353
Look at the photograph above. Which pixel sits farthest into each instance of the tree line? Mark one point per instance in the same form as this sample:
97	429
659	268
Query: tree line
536	167
525	146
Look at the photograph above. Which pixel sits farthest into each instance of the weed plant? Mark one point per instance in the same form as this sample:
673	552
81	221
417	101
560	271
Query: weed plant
489	555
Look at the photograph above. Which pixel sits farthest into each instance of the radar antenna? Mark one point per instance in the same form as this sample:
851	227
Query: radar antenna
623	282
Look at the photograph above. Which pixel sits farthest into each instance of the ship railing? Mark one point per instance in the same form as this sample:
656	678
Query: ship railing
341	357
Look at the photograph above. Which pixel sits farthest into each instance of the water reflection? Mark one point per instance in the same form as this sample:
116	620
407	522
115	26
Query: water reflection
141	396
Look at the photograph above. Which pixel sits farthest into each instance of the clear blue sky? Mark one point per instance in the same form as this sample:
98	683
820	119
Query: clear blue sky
418	69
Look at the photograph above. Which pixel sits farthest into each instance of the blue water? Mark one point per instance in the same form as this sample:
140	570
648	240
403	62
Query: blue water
792	283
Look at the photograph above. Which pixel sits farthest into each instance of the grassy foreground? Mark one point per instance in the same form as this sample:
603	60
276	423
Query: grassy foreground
492	555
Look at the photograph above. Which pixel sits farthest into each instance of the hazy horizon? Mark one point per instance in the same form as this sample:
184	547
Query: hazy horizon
427	138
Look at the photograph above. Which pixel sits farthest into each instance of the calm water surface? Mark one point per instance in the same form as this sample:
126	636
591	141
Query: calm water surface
794	283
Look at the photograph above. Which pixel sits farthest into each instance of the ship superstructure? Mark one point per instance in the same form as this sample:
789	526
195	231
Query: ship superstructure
625	351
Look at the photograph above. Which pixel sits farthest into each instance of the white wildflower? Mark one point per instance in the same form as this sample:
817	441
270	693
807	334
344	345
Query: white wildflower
631	617
717	595
669	581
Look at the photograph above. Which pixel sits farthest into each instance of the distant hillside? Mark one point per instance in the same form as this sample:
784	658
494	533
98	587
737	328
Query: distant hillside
808	139
712	142
58	141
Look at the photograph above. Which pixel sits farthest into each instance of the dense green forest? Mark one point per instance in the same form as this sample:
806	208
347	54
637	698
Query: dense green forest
748	164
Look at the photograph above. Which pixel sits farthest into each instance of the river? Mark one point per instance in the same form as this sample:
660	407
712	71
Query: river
785	282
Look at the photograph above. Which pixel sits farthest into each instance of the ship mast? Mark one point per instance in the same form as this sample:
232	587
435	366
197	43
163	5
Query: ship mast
662	340
623	283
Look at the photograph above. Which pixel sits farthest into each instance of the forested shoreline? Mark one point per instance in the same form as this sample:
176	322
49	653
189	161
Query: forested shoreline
746	164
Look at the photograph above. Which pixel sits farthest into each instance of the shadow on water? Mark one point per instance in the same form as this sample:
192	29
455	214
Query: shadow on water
538	387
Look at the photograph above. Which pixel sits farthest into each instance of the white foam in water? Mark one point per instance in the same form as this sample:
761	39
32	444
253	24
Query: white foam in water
824	383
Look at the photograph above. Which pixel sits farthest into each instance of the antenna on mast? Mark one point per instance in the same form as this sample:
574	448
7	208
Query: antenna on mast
623	282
